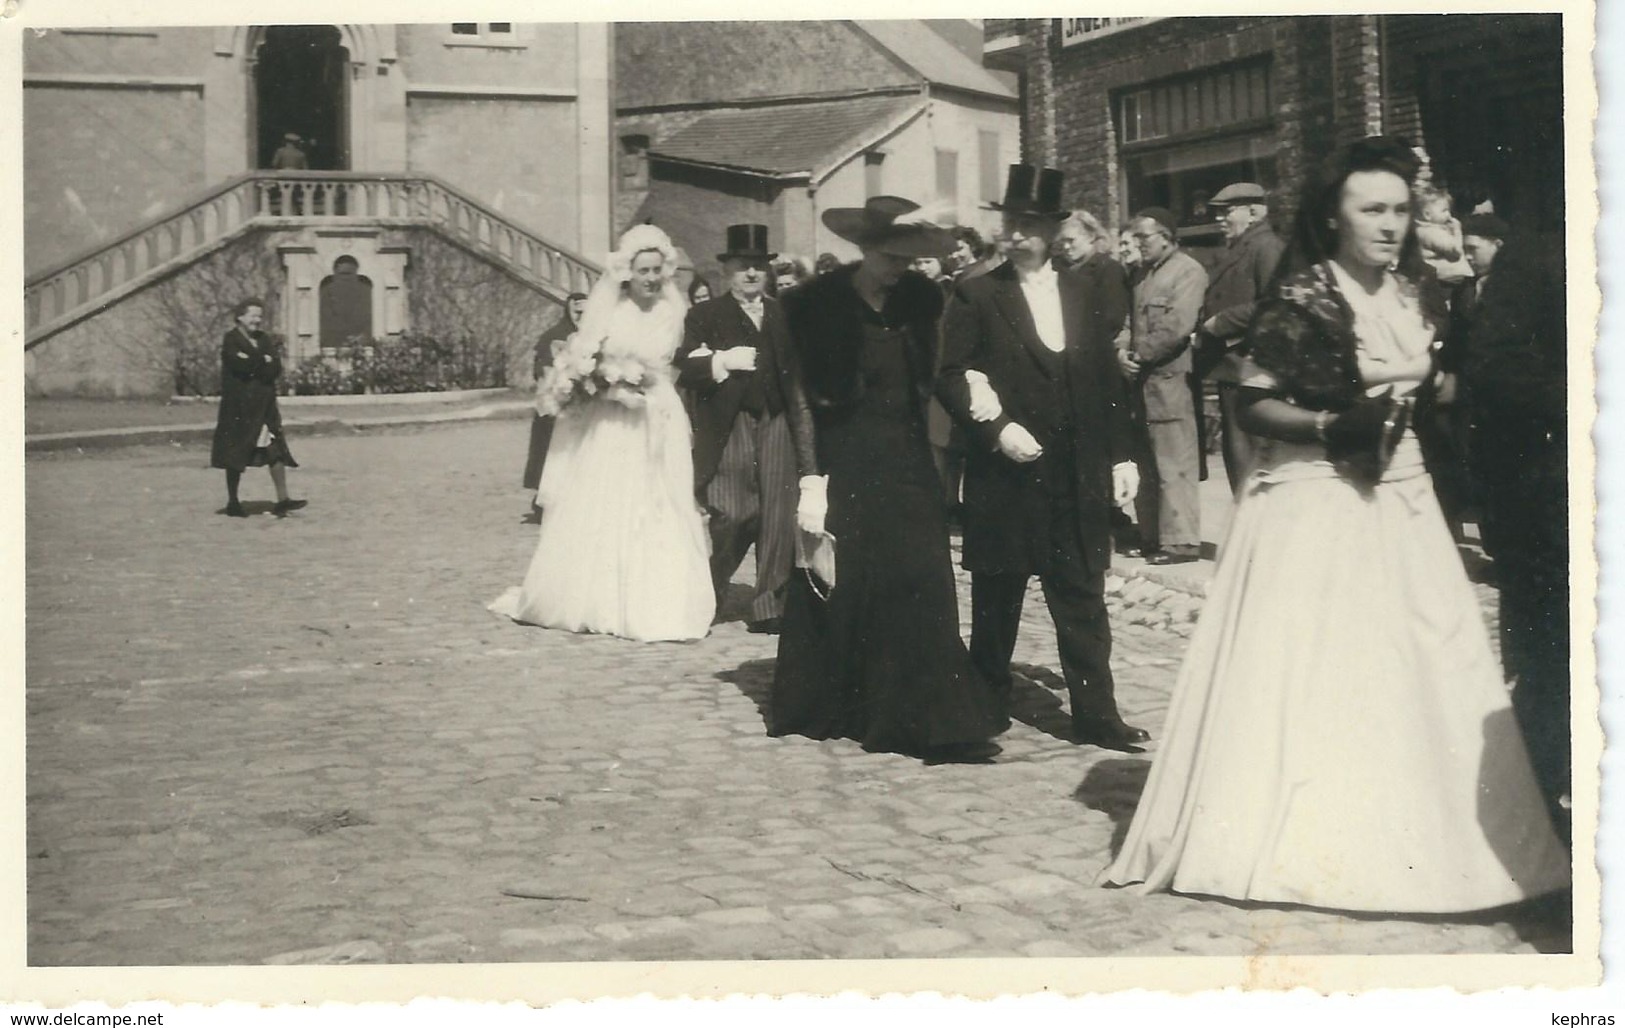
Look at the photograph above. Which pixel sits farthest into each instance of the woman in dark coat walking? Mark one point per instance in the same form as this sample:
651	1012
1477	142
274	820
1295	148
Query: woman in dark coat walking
249	432
880	660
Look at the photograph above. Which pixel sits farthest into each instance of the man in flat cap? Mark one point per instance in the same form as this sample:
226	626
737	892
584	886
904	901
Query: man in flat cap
1238	279
1168	293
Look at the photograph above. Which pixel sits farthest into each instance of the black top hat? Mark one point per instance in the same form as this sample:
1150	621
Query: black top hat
1032	190
891	225
747	241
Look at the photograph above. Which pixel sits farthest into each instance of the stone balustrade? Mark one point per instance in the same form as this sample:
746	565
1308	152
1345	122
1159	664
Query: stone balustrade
63	295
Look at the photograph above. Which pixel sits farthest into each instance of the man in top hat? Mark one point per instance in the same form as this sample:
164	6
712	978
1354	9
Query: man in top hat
1238	279
1029	370
289	156
735	361
1168	291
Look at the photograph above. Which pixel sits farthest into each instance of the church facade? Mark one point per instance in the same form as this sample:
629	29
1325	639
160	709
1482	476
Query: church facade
151	158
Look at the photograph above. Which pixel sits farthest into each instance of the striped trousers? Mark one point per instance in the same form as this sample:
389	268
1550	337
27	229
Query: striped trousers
752	500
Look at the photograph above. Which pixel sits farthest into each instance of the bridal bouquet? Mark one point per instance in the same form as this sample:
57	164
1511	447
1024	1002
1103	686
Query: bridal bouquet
581	371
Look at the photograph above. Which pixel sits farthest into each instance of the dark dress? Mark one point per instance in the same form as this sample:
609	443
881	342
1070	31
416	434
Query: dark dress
881	661
541	427
247	403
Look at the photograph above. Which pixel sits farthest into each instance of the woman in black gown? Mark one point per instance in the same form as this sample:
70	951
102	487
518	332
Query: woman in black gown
880	660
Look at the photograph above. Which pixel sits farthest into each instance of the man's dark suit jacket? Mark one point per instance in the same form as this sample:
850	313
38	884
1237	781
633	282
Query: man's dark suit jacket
1072	402
721	324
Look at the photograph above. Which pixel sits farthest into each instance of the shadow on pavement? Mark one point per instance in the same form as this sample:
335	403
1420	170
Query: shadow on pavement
754	680
253	507
1113	787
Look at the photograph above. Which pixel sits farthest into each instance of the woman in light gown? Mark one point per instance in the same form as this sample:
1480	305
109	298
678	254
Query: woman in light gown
1339	734
622	548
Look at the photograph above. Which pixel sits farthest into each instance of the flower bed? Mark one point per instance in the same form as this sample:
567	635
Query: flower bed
404	364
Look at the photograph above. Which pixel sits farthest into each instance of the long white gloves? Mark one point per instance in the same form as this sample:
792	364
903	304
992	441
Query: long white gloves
984	401
1018	444
813	506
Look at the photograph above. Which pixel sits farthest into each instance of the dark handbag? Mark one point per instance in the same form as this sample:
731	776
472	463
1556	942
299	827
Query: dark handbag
1360	441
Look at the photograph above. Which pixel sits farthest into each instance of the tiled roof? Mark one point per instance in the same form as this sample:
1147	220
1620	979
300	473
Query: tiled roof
934	58
786	139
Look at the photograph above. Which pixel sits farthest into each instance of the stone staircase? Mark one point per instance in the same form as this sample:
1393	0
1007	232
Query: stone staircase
62	296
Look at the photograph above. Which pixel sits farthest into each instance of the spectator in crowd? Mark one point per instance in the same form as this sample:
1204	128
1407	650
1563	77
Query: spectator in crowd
248	432
826	263
1241	275
790	271
699	290
541	425
1516	369
1440	236
972	256
1338	735
1167	302
1128	251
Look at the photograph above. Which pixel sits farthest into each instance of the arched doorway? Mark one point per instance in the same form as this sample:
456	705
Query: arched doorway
345	310
302	86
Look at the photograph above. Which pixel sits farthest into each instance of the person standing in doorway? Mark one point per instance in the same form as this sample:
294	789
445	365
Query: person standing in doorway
290	156
249	430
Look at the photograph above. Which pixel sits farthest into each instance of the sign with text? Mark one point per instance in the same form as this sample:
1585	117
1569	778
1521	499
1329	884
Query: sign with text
1082	30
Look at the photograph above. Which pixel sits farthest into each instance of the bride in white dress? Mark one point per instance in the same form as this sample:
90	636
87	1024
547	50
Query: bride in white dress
622	548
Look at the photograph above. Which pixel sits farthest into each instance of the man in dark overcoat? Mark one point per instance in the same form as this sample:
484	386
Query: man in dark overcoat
541	425
249	430
1030	371
736	363
1516	365
1239	277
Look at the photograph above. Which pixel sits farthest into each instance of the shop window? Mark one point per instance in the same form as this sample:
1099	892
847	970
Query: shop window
1201	103
1183	178
1183	140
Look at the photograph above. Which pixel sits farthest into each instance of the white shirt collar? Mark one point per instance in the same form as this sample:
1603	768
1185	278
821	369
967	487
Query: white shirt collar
1044	277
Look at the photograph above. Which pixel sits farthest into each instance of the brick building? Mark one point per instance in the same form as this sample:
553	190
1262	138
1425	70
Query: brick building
728	122
1166	111
484	148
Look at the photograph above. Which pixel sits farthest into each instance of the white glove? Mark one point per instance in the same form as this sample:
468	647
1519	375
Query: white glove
739	358
1018	444
1125	483
984	402
813	506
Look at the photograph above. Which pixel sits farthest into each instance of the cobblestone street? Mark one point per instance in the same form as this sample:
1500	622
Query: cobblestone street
306	740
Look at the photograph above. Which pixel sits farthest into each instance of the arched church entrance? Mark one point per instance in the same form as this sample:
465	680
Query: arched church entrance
302	87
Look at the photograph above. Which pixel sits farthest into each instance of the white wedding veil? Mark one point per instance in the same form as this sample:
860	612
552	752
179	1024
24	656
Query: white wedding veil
610	288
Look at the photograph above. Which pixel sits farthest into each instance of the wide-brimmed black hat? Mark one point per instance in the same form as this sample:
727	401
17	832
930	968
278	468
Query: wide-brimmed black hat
1030	189
891	225
747	241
